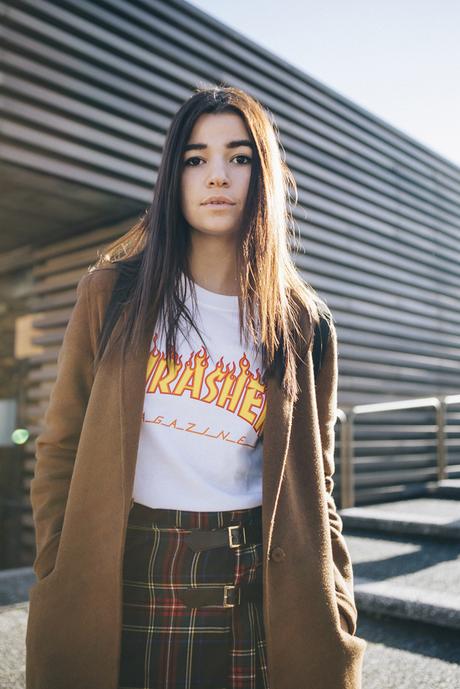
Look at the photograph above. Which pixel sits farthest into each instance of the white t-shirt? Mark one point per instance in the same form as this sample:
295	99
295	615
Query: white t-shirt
200	447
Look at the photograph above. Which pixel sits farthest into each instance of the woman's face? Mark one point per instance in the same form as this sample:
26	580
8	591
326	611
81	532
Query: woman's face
216	161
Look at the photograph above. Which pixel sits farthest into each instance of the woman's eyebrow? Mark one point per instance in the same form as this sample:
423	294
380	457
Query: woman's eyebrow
231	144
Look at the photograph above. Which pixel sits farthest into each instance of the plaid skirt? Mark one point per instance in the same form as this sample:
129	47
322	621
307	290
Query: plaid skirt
165	643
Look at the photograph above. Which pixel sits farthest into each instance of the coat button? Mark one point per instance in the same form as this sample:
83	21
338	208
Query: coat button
277	554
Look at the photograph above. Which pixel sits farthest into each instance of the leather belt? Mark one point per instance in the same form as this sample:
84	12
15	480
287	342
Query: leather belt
231	536
227	595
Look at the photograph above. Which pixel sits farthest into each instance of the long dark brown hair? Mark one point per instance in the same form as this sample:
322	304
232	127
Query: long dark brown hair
278	309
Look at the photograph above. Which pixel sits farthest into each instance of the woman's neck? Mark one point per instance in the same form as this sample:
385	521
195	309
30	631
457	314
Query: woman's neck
214	270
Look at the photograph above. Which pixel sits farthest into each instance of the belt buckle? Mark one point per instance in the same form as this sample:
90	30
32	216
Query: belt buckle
226	589
230	538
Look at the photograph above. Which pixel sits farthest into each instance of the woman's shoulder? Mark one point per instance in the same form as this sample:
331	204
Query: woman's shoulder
320	317
99	277
95	288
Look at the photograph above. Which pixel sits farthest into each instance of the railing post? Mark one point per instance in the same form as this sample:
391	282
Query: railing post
347	488
441	438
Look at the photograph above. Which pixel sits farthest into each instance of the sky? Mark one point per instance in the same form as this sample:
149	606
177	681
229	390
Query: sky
399	59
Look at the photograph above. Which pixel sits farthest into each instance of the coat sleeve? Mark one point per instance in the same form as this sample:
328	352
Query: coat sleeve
56	445
326	396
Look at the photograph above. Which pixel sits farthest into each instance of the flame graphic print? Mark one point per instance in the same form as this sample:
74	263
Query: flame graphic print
229	386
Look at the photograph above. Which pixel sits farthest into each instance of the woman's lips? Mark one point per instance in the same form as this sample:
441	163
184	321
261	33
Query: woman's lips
218	206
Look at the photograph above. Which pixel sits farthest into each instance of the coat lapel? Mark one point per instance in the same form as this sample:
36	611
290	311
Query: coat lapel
276	432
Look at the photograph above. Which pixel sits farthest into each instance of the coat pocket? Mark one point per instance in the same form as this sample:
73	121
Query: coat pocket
41	584
45	561
349	640
353	641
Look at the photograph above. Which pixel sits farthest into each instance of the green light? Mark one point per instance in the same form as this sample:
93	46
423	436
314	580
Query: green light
20	436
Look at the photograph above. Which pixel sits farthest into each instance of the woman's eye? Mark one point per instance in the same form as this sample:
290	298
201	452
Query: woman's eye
243	156
191	161
188	162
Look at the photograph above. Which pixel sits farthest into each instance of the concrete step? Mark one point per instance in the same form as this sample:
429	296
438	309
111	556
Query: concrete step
407	602
433	517
448	488
413	578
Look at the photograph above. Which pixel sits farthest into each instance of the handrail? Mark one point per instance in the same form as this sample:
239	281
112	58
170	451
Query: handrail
396	404
346	417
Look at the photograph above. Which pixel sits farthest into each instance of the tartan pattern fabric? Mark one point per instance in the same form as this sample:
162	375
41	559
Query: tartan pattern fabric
169	645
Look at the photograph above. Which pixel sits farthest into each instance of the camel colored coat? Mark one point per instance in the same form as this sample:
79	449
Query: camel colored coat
81	495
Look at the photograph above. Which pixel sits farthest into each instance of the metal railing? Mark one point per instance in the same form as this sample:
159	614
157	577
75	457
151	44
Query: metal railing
425	460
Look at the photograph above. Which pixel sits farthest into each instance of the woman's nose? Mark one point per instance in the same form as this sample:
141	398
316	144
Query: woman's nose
217	174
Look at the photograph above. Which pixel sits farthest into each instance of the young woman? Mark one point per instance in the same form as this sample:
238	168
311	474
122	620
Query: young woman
187	537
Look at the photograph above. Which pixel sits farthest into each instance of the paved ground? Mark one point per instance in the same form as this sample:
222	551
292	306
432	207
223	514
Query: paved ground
409	655
13	620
